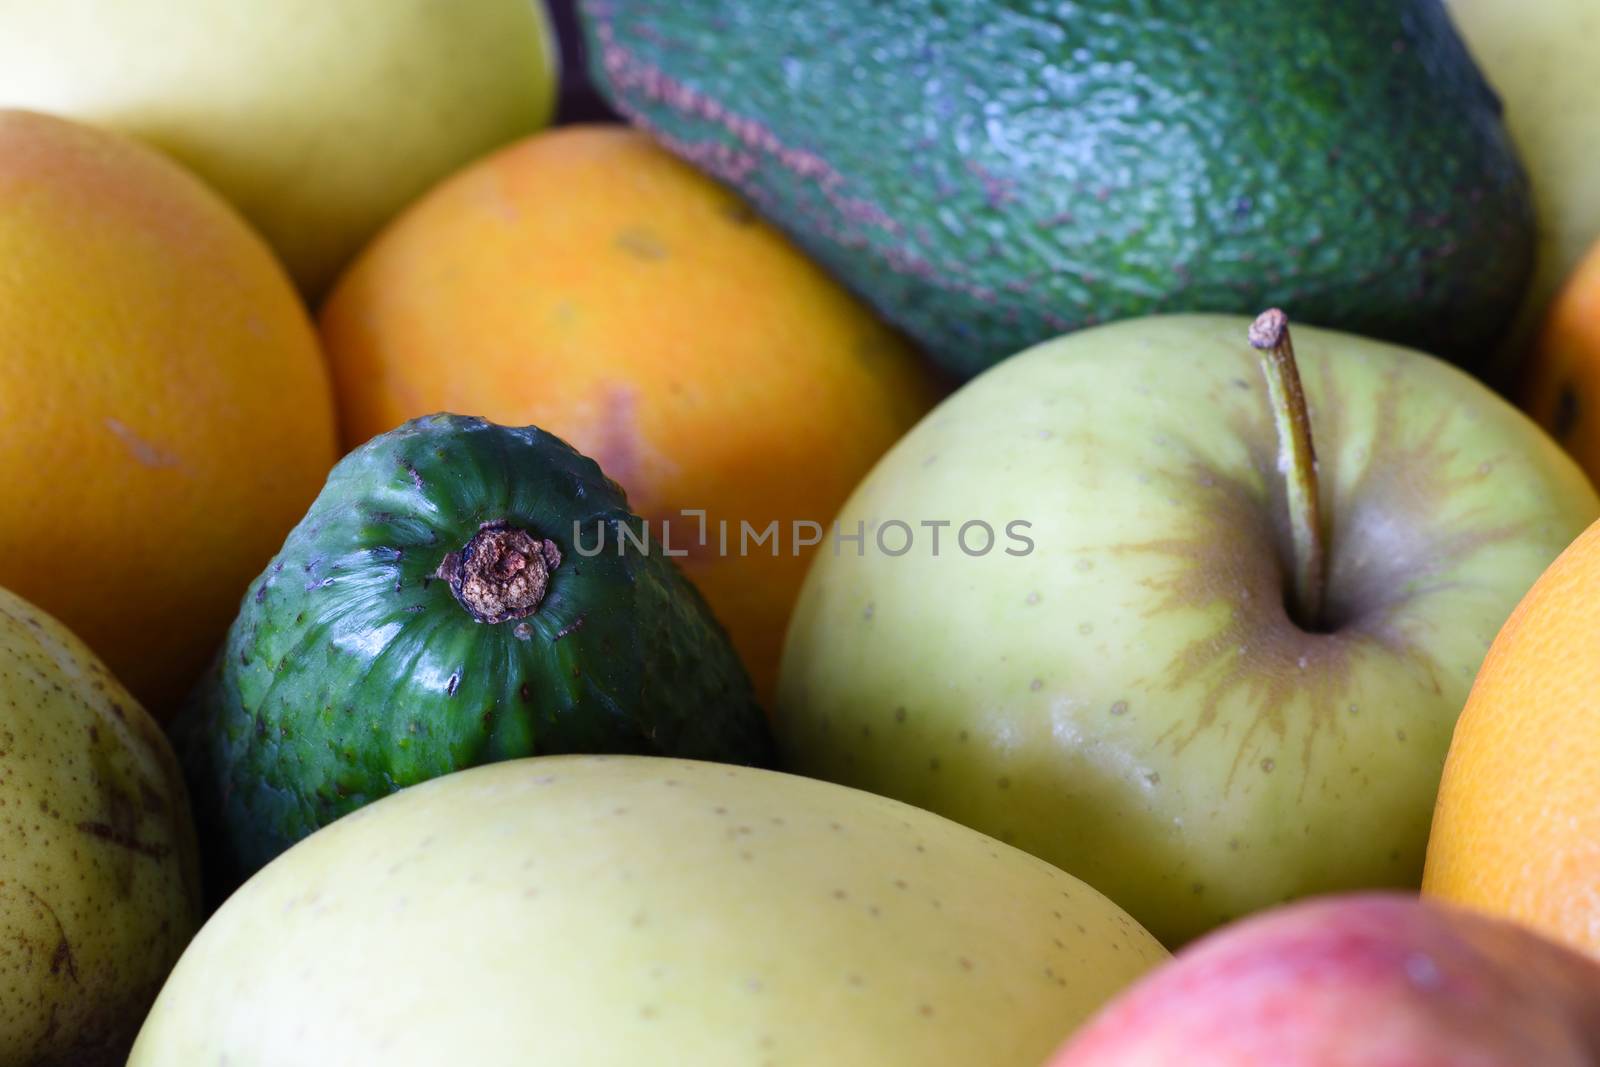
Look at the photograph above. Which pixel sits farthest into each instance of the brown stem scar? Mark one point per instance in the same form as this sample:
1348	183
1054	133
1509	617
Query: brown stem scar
501	574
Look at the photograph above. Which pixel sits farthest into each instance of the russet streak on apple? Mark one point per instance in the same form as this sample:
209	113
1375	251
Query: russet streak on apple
1135	701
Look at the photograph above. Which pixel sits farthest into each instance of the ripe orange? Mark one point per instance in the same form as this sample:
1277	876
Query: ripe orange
586	281
1562	390
164	412
1517	828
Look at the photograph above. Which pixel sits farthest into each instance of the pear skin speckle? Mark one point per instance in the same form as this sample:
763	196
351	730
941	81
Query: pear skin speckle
99	882
601	910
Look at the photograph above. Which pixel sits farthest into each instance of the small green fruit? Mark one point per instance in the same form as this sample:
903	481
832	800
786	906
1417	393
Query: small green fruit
459	593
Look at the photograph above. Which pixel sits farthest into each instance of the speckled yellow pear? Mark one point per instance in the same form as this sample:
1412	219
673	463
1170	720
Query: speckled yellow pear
1142	699
613	912
99	884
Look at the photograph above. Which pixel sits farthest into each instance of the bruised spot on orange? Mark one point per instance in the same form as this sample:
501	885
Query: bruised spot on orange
640	243
617	448
146	453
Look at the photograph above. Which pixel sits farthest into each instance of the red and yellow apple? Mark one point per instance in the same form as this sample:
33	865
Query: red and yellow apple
1365	981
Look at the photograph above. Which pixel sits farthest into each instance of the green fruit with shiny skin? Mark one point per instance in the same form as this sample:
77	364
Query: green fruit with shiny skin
433	611
991	173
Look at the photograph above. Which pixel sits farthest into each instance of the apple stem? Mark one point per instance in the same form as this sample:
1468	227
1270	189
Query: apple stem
1297	461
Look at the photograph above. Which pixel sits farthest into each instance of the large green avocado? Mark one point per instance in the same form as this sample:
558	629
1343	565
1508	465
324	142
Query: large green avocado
445	603
992	173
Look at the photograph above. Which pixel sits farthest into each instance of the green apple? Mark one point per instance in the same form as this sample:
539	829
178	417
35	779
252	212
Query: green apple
1120	686
319	119
1540	57
613	912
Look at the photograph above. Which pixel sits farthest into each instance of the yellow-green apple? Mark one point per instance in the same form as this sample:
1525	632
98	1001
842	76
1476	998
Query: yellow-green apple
1153	683
1540	57
612	912
1372	980
319	119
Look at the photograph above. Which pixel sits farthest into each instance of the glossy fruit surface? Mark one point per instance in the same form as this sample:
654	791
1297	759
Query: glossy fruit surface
617	911
993	173
164	411
459	593
587	282
1517	828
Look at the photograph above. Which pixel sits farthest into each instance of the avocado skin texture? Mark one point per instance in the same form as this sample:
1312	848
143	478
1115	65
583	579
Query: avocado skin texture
992	173
352	671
